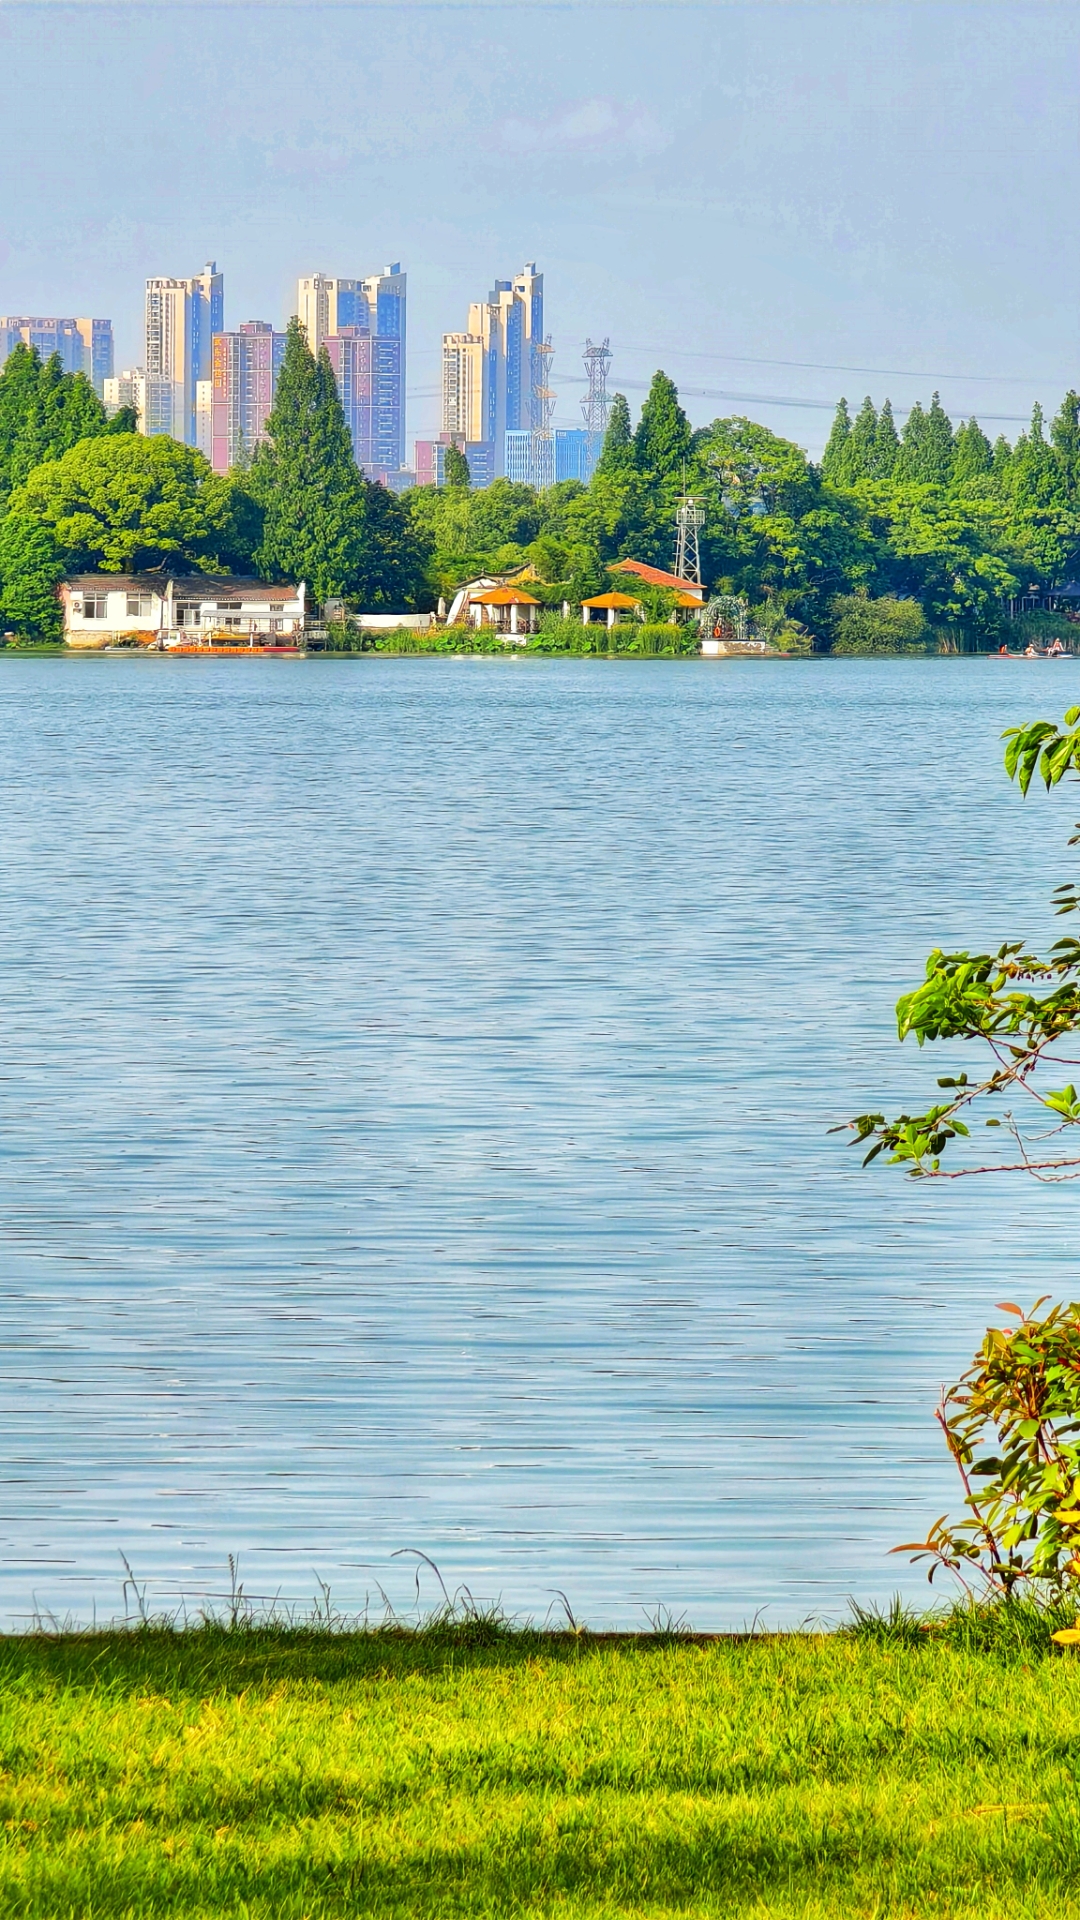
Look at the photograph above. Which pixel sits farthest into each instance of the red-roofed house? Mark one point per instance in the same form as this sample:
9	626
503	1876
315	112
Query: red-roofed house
658	578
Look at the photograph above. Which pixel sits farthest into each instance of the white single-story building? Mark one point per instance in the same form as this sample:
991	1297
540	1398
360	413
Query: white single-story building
103	609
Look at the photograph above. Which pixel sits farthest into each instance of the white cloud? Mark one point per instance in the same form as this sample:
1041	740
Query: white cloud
589	126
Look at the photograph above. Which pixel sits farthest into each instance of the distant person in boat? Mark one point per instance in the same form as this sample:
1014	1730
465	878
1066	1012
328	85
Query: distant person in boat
1056	648
1031	651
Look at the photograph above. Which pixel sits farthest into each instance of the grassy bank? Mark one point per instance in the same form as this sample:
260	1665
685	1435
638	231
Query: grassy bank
467	1772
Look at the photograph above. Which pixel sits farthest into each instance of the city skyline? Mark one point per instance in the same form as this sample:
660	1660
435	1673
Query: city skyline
212	387
852	203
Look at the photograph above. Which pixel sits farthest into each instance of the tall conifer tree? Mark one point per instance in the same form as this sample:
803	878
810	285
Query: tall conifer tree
1065	435
938	446
18	394
1037	480
305	476
1001	469
456	468
836	459
617	452
863	442
886	444
973	455
909	460
662	440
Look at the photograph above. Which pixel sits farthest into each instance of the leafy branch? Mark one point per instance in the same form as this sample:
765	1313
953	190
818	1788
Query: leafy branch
1020	1007
1012	1425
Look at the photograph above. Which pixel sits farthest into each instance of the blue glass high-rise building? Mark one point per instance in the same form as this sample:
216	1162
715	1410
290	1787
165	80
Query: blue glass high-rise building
371	377
493	374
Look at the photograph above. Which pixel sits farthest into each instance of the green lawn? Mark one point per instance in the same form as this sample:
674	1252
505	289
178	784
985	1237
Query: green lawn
287	1774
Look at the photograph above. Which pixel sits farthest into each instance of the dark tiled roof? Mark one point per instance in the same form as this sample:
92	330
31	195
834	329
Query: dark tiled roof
203	586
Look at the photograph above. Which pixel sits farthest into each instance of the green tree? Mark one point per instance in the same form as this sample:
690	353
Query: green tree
550	557
863	442
909	459
1035	474
43	412
456	468
886	444
772	527
504	514
662	439
926	450
1045	521
19	381
31	568
938	446
126	503
617	452
836	459
305	478
955	557
973	456
1001	469
397	556
1065	436
886	625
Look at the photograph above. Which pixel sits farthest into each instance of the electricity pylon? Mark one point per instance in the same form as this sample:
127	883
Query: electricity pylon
596	406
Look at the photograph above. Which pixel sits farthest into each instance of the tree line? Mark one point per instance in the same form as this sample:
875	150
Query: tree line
898	540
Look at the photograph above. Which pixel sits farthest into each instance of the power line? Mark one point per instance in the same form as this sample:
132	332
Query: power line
828	366
774	399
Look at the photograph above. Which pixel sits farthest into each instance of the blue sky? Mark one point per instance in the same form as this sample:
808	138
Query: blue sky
724	190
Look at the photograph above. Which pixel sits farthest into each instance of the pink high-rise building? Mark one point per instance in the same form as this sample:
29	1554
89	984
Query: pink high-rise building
246	367
350	351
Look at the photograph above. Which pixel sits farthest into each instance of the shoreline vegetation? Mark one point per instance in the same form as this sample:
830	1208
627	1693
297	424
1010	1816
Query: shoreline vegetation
920	541
897	1766
631	641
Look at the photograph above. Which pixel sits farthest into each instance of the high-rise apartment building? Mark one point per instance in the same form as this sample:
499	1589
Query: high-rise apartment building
385	294
493	373
541	459
246	365
326	305
97	340
350	353
126	389
182	317
371	378
204	416
465	389
84	346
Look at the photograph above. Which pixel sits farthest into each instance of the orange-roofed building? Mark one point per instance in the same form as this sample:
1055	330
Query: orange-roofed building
509	609
610	605
656	577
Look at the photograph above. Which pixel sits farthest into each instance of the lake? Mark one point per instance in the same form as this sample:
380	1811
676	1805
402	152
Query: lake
414	1104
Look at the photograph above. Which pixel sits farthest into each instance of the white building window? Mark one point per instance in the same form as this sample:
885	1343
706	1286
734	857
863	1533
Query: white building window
95	606
139	606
